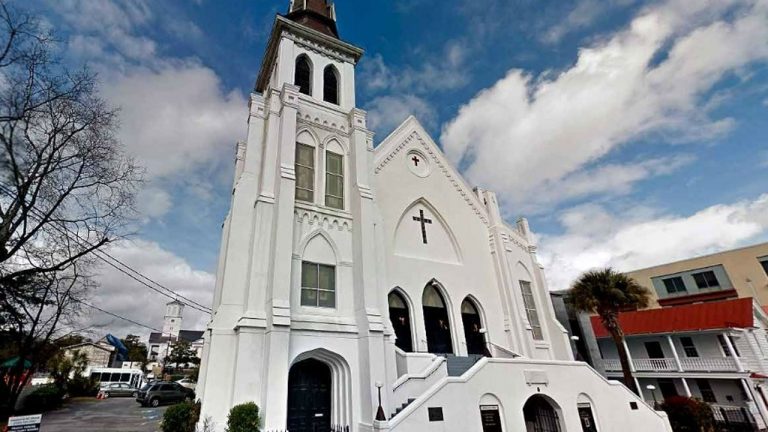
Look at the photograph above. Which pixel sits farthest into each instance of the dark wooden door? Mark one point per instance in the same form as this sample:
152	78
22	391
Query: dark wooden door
401	323
654	350
438	330
587	419
309	397
472	326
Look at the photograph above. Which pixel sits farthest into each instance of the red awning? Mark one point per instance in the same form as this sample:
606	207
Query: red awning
736	313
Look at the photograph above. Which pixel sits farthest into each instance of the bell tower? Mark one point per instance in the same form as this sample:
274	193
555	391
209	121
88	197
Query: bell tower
298	276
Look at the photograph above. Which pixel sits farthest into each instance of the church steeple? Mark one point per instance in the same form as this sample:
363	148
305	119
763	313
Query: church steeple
318	15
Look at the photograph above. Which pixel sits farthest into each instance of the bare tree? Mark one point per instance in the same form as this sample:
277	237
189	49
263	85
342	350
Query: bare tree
67	187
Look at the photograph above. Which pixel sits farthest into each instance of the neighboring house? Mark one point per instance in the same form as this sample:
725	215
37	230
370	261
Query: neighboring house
161	343
734	273
99	354
702	336
714	351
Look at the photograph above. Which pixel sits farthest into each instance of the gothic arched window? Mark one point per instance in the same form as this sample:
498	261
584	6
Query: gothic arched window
303	74
331	85
334	180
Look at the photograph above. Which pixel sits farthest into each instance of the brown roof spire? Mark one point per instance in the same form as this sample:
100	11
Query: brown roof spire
318	15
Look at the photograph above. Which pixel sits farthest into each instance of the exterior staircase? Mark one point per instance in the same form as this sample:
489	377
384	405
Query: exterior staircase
457	365
402	407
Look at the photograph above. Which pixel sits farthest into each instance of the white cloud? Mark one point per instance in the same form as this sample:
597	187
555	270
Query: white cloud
124	296
526	133
154	202
638	238
387	112
607	179
176	117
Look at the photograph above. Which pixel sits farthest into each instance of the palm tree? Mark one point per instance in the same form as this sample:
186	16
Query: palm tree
606	292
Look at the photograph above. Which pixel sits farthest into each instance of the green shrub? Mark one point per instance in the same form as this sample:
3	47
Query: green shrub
82	386
244	418
688	414
45	398
181	417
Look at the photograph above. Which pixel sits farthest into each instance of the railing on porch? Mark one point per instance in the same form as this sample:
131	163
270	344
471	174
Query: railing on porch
692	364
334	428
655	364
733	418
709	364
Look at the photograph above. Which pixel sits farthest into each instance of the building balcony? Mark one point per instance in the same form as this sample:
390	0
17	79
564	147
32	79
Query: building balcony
688	364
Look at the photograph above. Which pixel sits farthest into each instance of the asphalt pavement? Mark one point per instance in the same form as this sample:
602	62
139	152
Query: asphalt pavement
94	415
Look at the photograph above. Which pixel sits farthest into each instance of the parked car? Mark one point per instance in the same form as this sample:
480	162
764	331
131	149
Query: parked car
119	390
163	392
188	383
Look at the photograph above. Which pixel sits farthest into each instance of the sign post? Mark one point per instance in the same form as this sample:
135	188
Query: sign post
28	423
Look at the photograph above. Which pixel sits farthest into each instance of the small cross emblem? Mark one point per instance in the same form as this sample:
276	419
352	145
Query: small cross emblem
421	219
416	160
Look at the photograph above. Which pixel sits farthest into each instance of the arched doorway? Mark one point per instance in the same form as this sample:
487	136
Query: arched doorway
436	321
540	415
401	321
309	396
470	317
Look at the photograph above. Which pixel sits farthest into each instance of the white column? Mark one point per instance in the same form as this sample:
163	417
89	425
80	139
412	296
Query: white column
732	352
677	359
639	389
686	388
629	355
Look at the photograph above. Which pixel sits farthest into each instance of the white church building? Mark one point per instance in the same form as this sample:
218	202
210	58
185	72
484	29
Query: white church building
351	274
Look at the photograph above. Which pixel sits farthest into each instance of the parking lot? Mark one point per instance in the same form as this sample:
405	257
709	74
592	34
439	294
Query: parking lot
113	414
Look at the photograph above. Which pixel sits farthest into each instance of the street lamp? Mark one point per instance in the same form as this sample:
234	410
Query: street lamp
380	412
652	388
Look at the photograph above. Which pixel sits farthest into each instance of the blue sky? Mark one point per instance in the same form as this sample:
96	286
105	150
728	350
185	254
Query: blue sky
629	133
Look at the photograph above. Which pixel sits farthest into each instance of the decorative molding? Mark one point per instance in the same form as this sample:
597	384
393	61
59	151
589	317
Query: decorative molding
324	220
457	183
288	172
318	48
511	239
325	124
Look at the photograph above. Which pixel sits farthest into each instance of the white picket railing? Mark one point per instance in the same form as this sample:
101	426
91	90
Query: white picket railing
693	364
655	364
709	364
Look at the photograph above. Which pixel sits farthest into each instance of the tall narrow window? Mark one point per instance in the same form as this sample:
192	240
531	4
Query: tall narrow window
303	75
530	310
305	172
318	285
331	85
688	347
707	395
334	180
724	345
764	263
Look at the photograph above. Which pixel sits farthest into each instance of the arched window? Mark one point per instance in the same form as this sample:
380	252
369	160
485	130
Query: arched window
401	321
334	180
436	321
303	75
475	338
305	172
331	85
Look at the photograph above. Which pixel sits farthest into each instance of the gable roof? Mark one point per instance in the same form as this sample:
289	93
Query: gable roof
105	347
411	131
736	313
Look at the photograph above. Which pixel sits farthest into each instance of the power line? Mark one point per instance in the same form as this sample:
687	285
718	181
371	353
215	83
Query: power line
117	316
175	296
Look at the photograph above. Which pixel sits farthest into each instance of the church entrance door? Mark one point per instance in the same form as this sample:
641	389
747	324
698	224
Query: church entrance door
436	322
472	326
401	321
309	397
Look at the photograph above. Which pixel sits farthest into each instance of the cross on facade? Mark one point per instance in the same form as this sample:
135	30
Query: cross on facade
421	219
416	161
